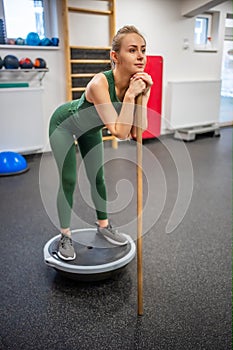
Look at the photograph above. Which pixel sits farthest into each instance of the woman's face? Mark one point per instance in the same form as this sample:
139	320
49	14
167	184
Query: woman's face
132	55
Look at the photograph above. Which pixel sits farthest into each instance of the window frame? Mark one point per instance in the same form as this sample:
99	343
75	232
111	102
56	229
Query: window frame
212	32
208	17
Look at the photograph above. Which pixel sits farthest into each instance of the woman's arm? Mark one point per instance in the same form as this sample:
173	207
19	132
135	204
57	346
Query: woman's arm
145	98
97	93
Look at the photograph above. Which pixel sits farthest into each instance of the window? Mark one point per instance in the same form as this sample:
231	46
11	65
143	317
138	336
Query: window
24	16
27	17
202	30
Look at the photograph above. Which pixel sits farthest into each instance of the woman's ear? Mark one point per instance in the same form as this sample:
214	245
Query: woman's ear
113	57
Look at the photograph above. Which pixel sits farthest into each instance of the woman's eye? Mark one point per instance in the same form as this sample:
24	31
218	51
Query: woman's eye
132	50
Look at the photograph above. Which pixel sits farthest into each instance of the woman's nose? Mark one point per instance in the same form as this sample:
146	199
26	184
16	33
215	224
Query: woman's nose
140	55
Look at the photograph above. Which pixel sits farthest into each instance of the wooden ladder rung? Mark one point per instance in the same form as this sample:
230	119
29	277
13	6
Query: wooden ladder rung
83	75
78	89
94	61
91	47
85	10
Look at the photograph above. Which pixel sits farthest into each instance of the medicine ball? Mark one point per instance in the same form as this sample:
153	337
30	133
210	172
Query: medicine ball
19	41
25	63
33	39
11	62
1	62
45	42
39	63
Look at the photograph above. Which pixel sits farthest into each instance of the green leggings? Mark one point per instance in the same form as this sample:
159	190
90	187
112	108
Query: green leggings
61	131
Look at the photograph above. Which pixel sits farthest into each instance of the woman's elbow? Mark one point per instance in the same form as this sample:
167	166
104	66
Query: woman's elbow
125	137
121	136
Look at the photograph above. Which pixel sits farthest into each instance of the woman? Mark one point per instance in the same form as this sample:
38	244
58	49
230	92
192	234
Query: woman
109	100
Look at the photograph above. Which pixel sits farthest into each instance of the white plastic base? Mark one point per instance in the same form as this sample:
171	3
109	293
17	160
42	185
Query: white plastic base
95	259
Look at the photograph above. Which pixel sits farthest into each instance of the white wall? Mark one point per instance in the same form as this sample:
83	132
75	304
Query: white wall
164	28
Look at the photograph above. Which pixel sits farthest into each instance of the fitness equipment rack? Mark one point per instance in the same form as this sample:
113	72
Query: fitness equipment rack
83	62
23	74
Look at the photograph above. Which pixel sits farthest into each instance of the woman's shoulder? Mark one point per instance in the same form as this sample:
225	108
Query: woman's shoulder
98	85
103	79
98	81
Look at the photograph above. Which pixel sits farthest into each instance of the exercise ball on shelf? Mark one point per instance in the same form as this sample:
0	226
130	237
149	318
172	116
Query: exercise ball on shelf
12	163
55	41
45	42
40	63
1	62
11	62
33	39
19	41
25	63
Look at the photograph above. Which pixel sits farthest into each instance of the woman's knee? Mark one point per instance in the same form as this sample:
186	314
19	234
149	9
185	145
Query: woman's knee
68	183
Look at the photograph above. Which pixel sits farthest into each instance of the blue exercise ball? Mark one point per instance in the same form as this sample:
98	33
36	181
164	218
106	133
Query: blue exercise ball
12	163
45	42
33	39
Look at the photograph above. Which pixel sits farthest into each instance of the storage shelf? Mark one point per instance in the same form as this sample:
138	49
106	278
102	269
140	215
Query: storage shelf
27	47
28	75
19	70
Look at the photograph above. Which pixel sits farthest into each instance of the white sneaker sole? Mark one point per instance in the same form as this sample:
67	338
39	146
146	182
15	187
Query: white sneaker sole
112	240
66	258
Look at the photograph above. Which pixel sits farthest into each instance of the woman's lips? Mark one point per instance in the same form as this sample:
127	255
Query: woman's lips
139	65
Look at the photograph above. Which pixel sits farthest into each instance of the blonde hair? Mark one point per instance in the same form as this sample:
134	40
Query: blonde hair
117	39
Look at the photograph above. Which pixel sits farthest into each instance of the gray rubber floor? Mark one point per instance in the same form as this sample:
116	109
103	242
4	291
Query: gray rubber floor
187	269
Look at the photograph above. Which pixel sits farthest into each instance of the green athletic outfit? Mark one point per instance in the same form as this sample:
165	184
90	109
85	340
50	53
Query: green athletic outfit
80	118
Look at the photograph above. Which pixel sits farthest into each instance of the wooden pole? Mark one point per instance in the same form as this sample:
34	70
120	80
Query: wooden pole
112	20
139	204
